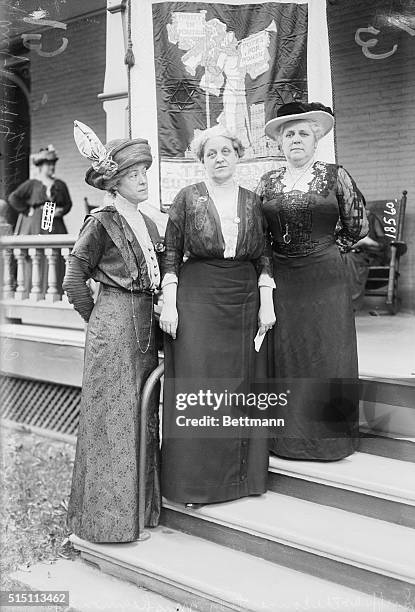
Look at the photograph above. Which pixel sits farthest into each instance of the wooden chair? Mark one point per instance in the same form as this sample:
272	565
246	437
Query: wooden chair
383	280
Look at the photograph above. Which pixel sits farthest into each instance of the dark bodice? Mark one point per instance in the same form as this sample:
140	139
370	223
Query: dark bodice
332	209
28	200
107	251
33	193
111	250
194	230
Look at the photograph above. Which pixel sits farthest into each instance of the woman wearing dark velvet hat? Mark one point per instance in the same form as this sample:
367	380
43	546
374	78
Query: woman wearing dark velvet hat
310	206
116	247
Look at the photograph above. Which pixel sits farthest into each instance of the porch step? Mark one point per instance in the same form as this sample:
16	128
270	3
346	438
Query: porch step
387	445
378	487
90	589
209	577
356	551
58	314
43	333
50	354
386	346
387	406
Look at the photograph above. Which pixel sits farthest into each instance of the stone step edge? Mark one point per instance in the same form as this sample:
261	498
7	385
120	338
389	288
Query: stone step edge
292	470
208	590
403	381
164	586
363	428
86	585
318	548
38	333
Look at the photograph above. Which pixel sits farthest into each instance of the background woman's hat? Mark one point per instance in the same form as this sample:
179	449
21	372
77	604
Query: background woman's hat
45	155
323	115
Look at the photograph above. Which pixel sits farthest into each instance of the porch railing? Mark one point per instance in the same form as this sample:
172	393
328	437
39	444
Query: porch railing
33	267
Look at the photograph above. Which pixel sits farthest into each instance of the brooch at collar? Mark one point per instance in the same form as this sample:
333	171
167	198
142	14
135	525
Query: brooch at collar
159	247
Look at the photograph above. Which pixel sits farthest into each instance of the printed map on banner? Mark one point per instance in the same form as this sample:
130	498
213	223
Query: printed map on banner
228	65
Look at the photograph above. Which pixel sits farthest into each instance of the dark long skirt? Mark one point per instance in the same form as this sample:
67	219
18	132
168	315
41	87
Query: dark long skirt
357	272
218	307
313	353
103	506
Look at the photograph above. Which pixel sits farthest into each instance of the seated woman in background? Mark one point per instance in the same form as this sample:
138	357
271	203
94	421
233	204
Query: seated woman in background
212	309
312	349
116	247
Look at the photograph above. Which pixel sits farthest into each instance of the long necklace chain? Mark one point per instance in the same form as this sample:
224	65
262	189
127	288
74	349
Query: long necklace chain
133	309
135	324
286	236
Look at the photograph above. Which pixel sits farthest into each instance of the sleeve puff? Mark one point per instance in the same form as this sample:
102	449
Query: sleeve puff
85	256
353	223
19	198
174	238
65	202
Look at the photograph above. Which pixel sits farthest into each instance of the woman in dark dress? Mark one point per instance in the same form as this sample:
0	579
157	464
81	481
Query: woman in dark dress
116	247
217	228
28	199
309	205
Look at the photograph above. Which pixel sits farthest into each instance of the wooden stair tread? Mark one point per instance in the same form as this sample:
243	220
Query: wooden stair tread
325	531
367	474
224	576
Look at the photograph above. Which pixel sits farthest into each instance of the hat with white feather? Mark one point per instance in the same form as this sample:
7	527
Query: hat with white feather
110	159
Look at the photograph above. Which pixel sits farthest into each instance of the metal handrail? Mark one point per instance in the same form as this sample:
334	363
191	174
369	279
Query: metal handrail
150	383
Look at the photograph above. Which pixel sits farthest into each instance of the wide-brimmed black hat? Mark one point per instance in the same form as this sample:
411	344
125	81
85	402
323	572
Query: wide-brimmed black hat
323	115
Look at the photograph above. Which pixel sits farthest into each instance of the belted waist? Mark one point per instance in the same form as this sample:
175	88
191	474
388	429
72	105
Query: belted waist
105	287
301	249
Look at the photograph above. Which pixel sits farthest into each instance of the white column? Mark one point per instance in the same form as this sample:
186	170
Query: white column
318	69
8	280
52	294
36	256
65	252
22	274
115	95
143	89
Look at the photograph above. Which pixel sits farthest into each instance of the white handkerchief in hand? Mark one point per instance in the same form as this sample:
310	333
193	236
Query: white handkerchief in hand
258	340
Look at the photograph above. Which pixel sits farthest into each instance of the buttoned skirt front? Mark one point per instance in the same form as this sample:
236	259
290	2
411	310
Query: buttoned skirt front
210	462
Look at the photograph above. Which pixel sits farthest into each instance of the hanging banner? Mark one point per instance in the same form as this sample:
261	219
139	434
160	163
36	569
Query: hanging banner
231	65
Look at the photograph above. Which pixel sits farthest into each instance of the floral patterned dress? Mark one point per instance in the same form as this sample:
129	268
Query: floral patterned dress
312	351
119	357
